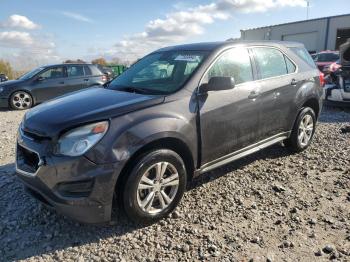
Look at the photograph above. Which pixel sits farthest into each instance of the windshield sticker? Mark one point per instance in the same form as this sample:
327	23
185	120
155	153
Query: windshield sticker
188	58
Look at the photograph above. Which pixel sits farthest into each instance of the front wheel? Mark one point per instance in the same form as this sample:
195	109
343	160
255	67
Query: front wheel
21	100
303	130
155	186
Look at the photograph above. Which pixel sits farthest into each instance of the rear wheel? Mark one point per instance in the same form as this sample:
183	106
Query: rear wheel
21	100
155	186
303	131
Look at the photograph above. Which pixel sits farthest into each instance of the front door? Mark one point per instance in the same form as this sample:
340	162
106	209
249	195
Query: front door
49	84
229	119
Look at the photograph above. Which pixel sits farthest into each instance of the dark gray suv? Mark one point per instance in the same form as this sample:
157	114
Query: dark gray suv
47	82
178	112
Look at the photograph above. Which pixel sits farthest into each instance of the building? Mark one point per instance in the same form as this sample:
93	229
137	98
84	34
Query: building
326	33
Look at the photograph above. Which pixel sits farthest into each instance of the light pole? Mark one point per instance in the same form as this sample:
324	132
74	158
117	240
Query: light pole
307	9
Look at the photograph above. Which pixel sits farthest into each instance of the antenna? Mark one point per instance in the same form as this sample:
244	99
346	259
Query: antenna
307	9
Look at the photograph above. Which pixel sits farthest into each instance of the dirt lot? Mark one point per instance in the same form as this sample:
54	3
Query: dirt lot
271	206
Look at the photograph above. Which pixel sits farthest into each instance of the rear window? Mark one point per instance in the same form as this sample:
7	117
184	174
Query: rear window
326	57
95	70
303	54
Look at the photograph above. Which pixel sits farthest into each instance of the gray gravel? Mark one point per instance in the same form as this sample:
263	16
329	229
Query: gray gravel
271	206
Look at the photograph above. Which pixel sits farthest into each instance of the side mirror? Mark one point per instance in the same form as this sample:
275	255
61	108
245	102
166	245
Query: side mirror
218	83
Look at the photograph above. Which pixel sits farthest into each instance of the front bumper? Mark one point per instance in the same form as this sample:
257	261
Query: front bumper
74	186
4	102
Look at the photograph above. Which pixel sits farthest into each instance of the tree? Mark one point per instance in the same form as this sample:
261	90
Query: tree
99	61
6	68
78	61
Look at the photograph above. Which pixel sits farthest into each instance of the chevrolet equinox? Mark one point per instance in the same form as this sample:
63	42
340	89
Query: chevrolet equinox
175	114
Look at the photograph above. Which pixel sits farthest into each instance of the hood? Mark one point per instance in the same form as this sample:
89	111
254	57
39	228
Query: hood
344	51
94	104
10	83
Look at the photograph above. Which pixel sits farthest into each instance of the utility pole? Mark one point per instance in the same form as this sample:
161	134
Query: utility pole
307	9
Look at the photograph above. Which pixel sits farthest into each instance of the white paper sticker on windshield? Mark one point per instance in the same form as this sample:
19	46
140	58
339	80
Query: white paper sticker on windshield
188	58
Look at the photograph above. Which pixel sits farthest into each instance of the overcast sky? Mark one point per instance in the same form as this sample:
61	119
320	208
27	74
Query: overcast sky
39	31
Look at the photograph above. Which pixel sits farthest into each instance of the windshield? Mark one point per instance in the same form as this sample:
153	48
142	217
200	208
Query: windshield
159	73
30	74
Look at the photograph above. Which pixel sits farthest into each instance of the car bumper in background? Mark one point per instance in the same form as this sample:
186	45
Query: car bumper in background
75	187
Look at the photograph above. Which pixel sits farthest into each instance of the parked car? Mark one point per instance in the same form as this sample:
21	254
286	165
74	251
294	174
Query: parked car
325	58
3	78
107	71
141	139
48	82
338	93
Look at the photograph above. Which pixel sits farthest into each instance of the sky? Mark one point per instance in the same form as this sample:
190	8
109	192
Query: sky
40	32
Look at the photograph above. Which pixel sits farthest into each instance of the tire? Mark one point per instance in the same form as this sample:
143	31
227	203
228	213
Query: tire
298	142
143	196
21	100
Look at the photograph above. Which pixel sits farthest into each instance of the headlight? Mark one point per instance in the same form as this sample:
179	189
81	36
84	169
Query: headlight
78	141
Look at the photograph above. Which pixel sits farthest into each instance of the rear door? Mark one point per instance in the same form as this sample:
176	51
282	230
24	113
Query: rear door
278	86
229	118
76	78
49	84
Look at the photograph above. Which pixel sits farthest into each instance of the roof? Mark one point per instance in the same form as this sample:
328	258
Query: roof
210	46
64	64
296	22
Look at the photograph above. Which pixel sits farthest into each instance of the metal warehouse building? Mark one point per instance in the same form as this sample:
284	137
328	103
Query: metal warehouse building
318	34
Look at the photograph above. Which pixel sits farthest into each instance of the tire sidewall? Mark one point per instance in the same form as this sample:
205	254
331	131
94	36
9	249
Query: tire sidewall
130	204
14	107
304	111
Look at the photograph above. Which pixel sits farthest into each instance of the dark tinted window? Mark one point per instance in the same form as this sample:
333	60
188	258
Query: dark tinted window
87	71
55	72
270	61
75	70
303	54
290	65
326	57
233	63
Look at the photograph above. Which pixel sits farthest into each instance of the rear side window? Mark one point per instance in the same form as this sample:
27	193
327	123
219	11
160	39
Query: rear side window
87	71
233	63
271	62
75	70
303	54
95	71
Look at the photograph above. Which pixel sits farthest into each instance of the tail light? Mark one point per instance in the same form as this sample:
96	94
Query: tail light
322	81
104	78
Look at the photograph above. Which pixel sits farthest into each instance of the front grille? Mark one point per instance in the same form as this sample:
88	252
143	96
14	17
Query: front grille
33	136
27	160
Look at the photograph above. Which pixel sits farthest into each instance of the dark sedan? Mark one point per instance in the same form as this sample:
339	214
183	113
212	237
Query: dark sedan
47	82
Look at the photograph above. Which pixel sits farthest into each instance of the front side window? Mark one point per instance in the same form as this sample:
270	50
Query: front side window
233	63
75	70
160	73
52	73
270	61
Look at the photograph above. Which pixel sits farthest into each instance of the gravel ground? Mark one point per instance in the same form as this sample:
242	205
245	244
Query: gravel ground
271	206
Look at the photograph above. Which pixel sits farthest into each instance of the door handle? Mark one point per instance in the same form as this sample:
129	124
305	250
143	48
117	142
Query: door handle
294	82
86	80
61	82
254	94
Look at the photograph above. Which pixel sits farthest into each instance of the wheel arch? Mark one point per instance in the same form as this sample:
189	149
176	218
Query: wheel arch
23	90
172	143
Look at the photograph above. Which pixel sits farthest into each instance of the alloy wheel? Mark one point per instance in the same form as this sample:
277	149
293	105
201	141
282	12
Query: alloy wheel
157	187
306	128
21	100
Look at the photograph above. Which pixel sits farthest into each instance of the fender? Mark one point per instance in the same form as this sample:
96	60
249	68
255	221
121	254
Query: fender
133	134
